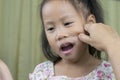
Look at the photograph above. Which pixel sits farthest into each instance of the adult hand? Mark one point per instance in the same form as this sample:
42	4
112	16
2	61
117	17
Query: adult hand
101	36
104	38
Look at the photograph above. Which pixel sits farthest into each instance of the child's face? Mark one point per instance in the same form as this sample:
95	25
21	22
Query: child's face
62	25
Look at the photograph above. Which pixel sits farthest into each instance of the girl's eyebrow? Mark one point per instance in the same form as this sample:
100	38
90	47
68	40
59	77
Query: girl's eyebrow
66	16
61	18
48	22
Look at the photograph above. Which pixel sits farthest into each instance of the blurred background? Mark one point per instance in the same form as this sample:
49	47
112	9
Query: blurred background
20	33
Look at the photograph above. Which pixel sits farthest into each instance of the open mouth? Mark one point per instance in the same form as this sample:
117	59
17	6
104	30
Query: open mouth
67	47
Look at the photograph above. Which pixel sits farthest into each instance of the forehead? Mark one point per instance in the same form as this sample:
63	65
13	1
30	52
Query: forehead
58	7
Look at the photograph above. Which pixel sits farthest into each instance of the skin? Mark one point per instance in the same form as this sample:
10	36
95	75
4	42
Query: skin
63	24
110	44
4	72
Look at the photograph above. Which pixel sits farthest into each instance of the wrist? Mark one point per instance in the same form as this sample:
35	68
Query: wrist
113	47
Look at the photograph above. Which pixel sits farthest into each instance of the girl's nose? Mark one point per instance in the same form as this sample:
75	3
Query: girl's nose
61	35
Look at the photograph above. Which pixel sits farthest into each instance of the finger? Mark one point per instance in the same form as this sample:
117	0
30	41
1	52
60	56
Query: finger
85	38
86	29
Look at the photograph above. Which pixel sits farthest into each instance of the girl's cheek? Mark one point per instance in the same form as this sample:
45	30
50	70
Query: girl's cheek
76	31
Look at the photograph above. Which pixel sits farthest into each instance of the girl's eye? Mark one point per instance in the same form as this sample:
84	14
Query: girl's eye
68	23
50	29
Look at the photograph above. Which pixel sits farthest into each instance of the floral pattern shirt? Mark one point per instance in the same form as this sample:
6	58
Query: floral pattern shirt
45	71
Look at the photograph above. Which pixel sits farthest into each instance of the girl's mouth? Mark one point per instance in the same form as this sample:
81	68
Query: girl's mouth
66	48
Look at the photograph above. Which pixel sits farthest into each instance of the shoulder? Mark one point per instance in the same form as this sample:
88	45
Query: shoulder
4	71
106	67
105	71
42	71
43	65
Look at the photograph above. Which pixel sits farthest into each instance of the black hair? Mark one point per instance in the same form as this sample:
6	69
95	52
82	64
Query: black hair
92	6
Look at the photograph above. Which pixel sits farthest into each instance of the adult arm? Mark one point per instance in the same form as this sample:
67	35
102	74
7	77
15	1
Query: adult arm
104	38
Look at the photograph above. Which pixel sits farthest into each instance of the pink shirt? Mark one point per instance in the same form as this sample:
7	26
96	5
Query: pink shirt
45	71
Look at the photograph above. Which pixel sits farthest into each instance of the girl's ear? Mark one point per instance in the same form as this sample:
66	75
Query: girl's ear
91	19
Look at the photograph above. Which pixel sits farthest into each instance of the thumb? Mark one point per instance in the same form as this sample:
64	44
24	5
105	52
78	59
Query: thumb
85	38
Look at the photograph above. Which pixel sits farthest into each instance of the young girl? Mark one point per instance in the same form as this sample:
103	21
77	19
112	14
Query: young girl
72	38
